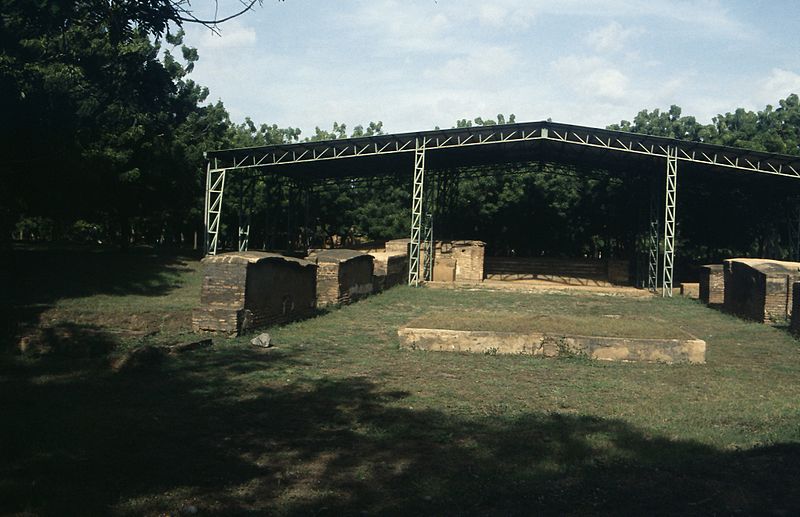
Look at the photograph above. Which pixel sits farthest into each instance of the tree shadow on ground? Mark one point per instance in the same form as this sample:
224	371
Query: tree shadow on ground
38	277
83	440
45	275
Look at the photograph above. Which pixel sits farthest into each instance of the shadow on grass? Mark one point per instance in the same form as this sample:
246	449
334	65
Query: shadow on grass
45	275
37	277
77	439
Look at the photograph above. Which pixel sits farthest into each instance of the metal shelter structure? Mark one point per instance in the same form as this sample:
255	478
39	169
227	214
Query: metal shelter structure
510	143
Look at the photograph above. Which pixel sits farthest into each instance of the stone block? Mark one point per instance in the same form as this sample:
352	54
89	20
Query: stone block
552	345
343	276
760	289
252	289
444	270
690	290
712	284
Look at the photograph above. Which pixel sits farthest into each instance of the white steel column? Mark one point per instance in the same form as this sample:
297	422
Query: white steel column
244	236
416	212
215	186
244	218
669	219
205	208
652	245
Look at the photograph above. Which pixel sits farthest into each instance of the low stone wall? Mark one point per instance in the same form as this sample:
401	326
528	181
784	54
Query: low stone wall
690	290
712	284
550	345
247	290
343	276
760	289
389	270
469	258
794	322
566	271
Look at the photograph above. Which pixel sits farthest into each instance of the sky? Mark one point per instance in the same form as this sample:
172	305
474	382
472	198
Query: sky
418	64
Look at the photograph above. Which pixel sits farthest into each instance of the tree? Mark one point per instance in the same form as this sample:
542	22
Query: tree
98	115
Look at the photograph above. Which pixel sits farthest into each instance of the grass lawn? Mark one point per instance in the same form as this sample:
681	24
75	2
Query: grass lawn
336	419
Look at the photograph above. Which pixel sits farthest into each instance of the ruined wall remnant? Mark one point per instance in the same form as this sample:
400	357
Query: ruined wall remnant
600	272
343	276
712	284
760	289
794	324
246	290
469	257
389	270
690	290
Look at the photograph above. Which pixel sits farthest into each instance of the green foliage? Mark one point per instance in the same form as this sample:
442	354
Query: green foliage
725	215
109	132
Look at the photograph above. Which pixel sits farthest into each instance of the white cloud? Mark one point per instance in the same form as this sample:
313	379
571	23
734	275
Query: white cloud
513	14
778	85
591	77
611	37
482	64
232	34
418	64
416	27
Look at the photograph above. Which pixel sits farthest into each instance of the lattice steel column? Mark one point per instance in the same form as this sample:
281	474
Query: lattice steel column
669	219
428	247
244	235
244	218
215	187
416	212
205	208
652	245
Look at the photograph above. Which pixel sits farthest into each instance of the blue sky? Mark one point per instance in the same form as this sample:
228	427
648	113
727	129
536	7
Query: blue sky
416	64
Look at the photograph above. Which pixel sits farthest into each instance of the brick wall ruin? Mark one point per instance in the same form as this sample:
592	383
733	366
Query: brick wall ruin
794	324
343	276
568	271
712	284
247	290
460	261
760	289
389	270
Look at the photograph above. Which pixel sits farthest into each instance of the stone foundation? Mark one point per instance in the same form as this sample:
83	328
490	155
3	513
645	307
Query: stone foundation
548	345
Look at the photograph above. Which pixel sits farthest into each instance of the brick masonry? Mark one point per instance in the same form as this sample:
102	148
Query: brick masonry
567	271
343	276
760	289
794	323
690	290
712	284
389	270
247	290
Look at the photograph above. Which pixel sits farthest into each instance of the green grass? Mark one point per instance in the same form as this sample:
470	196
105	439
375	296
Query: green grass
540	314
336	419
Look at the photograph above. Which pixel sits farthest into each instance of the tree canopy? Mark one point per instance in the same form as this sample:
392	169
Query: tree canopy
107	131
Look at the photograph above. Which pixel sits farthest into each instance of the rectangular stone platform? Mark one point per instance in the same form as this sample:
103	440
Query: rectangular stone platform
552	345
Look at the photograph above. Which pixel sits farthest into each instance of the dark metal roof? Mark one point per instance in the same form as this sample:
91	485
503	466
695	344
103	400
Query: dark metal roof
486	145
